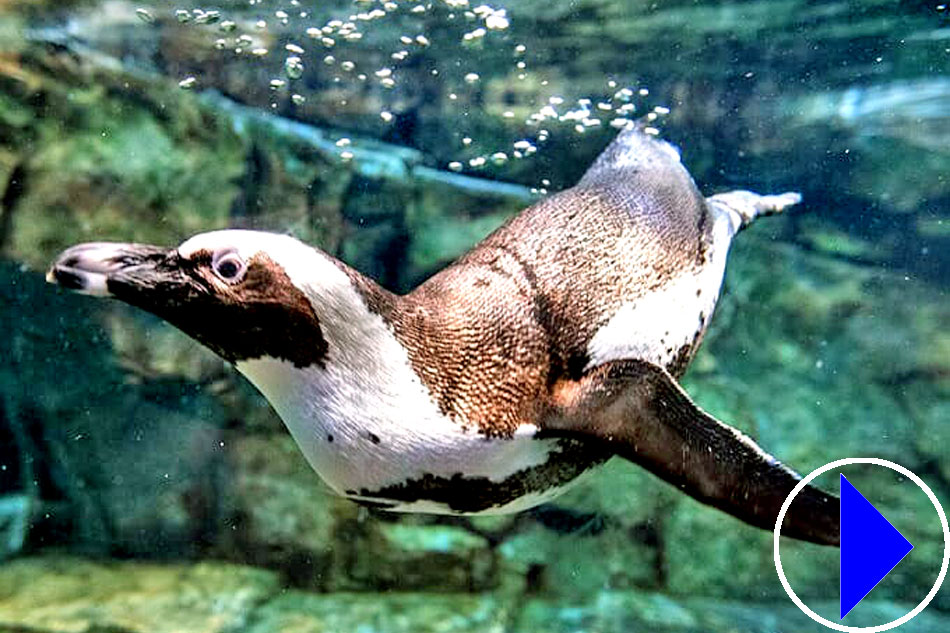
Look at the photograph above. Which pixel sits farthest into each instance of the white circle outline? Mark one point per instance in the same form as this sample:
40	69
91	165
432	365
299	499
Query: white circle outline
847	462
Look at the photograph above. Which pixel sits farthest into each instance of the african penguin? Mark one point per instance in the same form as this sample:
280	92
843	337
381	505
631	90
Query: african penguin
551	346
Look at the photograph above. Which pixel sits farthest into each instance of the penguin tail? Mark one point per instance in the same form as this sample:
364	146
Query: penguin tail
745	206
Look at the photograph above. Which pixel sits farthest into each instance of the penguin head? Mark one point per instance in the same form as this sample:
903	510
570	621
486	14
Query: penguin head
243	294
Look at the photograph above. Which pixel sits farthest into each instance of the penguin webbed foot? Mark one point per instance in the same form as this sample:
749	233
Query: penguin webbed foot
636	410
748	205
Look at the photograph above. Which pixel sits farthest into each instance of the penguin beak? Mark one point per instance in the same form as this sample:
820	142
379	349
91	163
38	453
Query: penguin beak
108	269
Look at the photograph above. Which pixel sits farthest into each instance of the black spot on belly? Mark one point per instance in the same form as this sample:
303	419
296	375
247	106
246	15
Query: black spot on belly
373	438
471	494
330	438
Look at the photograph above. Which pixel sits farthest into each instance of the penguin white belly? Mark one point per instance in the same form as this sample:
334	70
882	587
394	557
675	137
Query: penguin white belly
387	444
658	326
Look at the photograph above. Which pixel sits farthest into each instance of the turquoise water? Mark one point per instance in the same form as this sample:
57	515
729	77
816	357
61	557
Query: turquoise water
146	487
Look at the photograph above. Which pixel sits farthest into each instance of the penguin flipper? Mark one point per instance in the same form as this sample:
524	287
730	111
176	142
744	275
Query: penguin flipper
638	411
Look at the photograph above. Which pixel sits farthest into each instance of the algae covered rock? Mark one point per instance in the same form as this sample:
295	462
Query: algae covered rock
297	612
73	595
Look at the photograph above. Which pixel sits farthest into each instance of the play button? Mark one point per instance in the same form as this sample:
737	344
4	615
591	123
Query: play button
870	547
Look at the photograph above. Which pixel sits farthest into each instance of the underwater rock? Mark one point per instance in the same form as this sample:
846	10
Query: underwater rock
628	550
395	612
403	554
279	514
75	595
658	613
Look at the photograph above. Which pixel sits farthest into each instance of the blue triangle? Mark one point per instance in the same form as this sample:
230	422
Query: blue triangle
870	547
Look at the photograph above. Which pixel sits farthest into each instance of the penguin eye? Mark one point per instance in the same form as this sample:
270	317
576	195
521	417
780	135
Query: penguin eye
229	266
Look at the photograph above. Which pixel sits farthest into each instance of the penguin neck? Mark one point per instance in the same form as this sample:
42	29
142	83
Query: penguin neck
367	380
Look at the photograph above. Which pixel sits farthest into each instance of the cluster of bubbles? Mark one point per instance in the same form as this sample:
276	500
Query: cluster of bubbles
327	43
617	110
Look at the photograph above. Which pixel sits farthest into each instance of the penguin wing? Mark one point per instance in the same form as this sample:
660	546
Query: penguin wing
638	411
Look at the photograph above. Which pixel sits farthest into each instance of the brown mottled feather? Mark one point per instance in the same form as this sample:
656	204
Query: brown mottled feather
490	334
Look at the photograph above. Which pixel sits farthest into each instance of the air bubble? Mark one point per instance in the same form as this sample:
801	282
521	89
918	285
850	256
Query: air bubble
145	16
474	35
497	21
183	15
455	166
298	99
187	83
276	84
206	17
386	116
624	94
293	67
471	78
526	147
